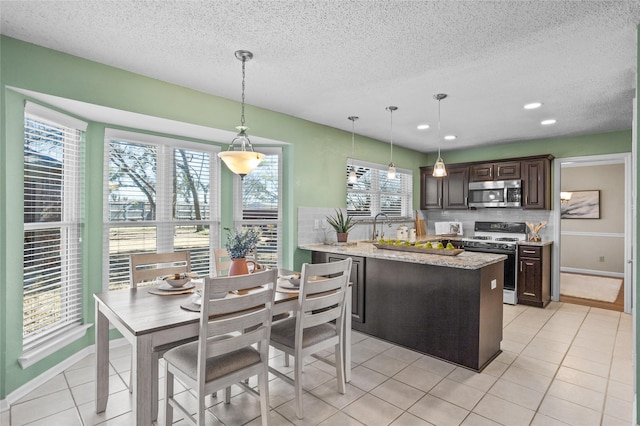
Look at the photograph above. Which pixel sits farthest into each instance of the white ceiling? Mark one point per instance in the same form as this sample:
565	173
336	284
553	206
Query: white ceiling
326	60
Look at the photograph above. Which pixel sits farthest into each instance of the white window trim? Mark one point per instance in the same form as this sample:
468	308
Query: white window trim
162	143
73	332
375	203
237	200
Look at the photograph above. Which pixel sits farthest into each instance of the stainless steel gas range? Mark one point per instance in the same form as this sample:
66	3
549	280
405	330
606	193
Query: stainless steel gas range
501	238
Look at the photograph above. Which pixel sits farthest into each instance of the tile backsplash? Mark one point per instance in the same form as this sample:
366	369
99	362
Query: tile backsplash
314	229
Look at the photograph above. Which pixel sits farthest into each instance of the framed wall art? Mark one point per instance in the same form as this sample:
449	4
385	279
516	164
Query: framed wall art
580	205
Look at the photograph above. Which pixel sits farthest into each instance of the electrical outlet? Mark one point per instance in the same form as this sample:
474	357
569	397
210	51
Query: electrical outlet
601	258
316	224
494	284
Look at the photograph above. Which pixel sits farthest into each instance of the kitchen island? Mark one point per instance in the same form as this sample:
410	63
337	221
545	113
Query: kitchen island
449	307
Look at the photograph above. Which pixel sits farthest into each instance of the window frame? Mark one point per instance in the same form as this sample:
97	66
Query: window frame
164	222
239	221
376	194
68	319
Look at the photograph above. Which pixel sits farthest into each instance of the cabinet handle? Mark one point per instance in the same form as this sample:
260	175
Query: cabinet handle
526	199
521	266
491	172
529	251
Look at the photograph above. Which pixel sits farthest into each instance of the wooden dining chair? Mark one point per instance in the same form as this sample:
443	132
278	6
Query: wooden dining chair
222	261
320	301
144	269
226	353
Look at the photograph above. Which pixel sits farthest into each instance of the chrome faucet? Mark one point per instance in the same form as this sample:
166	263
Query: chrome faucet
374	236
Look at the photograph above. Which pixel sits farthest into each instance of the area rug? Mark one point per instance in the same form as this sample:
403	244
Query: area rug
605	289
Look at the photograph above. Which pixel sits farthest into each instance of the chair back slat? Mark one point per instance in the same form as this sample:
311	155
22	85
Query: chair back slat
234	323
324	284
233	303
322	317
224	346
145	267
324	301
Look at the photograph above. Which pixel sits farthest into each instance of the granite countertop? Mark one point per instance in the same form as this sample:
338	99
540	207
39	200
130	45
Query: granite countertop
465	260
535	243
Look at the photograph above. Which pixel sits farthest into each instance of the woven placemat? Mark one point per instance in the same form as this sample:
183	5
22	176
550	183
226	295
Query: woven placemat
169	293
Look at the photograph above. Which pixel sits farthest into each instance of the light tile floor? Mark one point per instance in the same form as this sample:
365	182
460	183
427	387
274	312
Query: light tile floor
566	364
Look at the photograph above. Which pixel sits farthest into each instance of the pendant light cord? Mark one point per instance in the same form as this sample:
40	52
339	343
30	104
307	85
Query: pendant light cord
244	61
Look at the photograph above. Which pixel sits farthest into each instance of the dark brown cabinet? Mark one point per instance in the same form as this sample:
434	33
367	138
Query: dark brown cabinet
536	178
449	192
356	278
534	275
506	170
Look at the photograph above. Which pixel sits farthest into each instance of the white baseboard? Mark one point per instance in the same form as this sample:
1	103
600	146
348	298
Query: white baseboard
592	272
33	384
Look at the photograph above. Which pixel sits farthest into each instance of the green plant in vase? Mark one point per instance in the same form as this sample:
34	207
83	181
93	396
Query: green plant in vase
341	223
239	244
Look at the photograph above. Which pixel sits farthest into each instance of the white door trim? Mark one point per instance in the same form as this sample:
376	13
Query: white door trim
629	216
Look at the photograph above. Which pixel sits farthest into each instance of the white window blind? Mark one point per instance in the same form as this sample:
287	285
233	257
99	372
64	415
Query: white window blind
53	195
160	196
374	193
260	192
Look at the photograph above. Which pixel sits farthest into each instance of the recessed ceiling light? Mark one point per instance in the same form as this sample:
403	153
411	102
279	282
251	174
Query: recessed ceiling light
450	137
533	105
423	126
548	122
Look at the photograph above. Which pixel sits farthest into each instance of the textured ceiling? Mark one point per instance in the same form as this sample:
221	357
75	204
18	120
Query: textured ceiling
326	60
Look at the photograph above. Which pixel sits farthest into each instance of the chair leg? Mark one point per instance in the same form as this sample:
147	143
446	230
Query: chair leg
297	362
168	394
339	355
286	360
227	395
263	387
155	357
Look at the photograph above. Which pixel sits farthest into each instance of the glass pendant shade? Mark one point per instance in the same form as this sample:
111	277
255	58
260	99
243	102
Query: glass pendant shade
438	169
241	162
391	173
353	178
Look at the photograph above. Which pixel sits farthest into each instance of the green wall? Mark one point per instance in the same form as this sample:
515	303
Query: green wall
602	143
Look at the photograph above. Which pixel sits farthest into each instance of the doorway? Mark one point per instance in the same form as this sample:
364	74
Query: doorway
600	246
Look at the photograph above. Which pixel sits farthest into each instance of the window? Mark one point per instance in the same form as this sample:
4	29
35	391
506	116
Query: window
159	197
53	196
260	192
374	193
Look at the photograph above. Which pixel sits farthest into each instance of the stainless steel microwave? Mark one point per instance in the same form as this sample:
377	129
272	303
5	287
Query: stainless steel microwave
498	193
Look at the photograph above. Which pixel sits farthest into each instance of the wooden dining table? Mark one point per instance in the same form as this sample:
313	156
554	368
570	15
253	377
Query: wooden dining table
149	321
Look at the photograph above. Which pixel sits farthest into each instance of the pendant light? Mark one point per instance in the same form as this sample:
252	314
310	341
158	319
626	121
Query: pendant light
246	159
353	178
391	173
438	169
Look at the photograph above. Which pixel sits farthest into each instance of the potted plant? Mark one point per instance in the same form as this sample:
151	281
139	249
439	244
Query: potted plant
341	223
239	244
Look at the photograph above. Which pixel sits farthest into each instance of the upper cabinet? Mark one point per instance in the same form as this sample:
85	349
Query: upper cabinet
449	192
504	170
536	183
